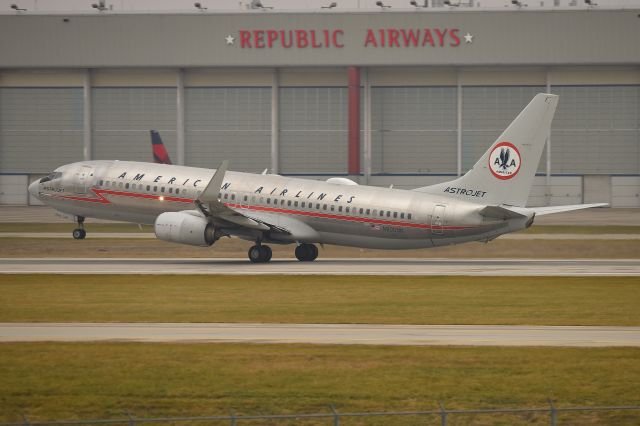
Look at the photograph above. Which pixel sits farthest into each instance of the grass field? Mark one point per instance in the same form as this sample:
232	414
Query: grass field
320	299
235	248
64	381
133	228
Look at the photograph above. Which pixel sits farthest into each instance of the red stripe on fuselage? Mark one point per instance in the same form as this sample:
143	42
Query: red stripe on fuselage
102	200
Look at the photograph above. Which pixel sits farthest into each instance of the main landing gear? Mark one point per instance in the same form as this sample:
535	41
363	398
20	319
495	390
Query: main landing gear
260	253
79	233
306	252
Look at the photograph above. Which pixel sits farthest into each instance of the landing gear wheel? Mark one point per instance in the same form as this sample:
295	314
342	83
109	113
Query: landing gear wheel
266	252
260	254
306	252
79	233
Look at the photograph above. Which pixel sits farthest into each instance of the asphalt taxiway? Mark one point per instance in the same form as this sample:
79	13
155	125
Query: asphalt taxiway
342	266
362	334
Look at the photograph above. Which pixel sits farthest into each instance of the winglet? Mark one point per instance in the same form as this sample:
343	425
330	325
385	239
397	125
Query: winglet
212	190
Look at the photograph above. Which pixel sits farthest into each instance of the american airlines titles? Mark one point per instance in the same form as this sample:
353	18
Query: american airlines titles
334	38
260	190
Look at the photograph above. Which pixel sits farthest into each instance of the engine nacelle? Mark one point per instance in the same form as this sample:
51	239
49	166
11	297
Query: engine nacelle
185	228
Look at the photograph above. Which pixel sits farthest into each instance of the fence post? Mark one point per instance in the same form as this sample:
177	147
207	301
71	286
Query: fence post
443	415
554	413
336	416
234	419
132	420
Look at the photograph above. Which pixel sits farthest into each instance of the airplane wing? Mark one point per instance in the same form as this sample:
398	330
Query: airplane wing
218	213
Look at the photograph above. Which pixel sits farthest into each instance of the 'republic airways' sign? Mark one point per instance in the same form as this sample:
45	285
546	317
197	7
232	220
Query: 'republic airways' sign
334	38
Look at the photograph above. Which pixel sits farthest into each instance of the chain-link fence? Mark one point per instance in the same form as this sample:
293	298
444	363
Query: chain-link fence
543	415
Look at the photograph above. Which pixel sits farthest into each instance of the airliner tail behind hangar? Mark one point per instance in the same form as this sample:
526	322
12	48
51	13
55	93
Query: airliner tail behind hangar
198	206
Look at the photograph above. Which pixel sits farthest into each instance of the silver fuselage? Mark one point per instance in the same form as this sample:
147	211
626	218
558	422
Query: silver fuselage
337	213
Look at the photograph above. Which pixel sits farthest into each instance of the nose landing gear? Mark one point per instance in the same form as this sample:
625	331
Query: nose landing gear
79	233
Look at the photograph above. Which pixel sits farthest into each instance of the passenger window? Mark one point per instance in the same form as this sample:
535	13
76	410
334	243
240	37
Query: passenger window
409	216
162	189
148	188
295	204
303	204
289	203
388	214
332	207
226	196
233	196
120	184
155	189
368	211
347	210
340	208
317	206
100	183
126	185
381	213
361	210
324	207
246	198
170	190
395	214
401	215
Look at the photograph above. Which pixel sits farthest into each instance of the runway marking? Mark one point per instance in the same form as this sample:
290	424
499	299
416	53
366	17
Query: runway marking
358	334
339	266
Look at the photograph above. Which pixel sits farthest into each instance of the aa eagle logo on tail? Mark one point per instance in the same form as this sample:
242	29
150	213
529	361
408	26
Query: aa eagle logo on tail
504	160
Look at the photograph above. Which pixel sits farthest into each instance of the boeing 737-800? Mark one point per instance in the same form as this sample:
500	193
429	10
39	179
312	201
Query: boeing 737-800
197	206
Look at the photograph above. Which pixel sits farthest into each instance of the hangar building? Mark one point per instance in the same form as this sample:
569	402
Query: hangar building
402	98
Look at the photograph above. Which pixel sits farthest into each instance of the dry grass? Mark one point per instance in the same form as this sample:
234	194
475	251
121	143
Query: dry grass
233	247
64	381
320	299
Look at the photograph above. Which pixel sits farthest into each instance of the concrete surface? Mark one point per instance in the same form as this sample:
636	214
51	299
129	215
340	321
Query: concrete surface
361	334
382	266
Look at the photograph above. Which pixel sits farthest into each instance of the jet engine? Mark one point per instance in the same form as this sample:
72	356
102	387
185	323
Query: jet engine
185	228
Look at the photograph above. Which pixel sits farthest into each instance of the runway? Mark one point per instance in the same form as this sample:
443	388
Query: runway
360	334
342	266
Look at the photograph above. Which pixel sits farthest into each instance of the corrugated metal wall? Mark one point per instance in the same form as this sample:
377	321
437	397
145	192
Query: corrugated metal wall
413	129
313	129
596	130
40	128
123	117
231	123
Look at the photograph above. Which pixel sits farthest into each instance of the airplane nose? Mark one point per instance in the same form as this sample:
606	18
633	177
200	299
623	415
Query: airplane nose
34	187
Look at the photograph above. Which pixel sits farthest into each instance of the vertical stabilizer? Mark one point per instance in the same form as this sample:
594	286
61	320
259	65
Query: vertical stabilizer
504	174
160	154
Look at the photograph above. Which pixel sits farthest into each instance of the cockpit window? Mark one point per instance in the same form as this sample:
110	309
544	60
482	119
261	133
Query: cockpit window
51	176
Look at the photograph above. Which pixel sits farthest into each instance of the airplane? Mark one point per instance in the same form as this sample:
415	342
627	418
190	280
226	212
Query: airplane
160	154
198	206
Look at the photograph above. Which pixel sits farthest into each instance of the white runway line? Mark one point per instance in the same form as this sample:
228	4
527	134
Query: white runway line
338	266
360	334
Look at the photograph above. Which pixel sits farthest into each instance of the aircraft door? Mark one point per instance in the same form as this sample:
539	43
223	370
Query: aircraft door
83	179
437	219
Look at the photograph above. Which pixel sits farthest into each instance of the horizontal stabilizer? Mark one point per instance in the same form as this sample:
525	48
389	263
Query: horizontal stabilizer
540	211
497	212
